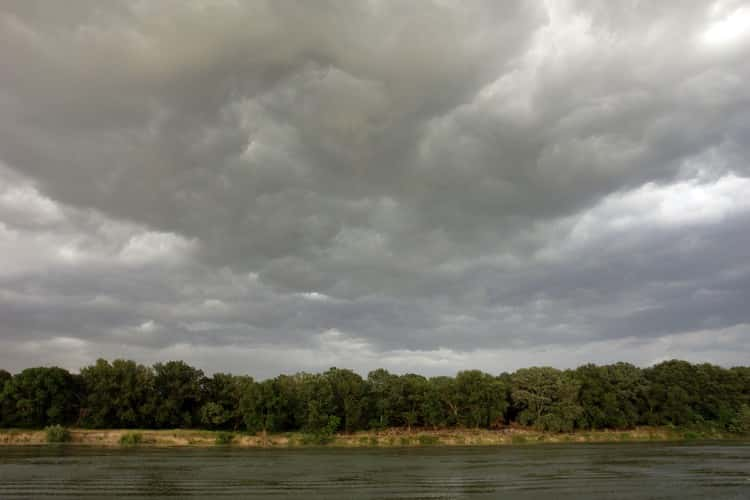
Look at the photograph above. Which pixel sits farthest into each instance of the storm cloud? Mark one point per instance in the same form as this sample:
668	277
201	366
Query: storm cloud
265	187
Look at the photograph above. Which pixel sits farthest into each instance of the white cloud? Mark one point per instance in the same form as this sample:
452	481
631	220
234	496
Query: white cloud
153	246
732	29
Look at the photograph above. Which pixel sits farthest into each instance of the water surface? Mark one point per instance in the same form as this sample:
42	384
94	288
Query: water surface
581	471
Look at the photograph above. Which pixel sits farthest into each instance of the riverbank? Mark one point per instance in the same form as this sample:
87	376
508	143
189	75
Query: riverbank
385	438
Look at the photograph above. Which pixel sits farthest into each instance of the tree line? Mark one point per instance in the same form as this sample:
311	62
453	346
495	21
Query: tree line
124	394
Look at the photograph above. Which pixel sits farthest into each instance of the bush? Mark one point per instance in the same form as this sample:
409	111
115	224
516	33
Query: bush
741	423
131	439
691	435
316	439
323	435
426	440
223	438
57	434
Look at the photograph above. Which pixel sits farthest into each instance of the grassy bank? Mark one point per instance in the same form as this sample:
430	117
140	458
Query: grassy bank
386	438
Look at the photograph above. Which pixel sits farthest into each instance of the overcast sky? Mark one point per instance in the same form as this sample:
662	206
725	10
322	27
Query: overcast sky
266	187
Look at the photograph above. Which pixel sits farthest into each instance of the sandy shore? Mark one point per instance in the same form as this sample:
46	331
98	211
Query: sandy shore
386	438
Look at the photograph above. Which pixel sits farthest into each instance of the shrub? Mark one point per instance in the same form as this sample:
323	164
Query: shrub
691	435
316	439
741	423
224	438
323	435
426	440
131	439
57	434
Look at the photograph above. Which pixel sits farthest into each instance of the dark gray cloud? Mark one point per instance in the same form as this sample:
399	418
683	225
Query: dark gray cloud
272	186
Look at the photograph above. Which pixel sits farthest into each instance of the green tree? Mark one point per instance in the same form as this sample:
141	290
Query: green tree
410	392
671	394
178	392
741	421
382	399
442	402
271	405
4	412
546	398
348	397
120	394
255	404
719	395
610	396
38	397
221	395
482	399
316	402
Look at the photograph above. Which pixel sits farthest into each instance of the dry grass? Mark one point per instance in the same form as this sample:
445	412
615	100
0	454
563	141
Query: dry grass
385	438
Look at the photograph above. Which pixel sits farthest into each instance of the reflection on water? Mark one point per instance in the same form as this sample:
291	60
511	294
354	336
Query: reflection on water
560	471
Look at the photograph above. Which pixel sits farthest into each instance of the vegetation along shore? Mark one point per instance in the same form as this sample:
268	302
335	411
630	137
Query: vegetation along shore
387	438
125	403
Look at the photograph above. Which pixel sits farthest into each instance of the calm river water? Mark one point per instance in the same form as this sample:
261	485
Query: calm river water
593	471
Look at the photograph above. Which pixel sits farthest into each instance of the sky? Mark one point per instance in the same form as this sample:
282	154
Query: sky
265	187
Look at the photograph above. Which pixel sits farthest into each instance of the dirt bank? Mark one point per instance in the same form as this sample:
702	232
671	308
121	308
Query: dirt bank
385	438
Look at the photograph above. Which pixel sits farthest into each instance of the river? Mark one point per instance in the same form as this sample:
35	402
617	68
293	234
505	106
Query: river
580	471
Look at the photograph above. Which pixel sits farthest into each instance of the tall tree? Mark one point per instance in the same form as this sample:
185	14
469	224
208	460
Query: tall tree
382	399
442	402
348	397
482	399
178	392
672	393
316	402
222	394
271	405
546	398
610	395
120	394
42	396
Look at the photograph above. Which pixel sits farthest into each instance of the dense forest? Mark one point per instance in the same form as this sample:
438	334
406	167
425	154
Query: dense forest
124	394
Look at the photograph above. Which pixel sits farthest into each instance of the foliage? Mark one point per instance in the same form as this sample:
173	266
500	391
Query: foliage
38	397
546	398
518	440
222	394
178	392
224	438
427	440
481	399
121	394
699	399
741	423
381	401
441	404
56	434
347	394
322	435
610	395
131	439
271	405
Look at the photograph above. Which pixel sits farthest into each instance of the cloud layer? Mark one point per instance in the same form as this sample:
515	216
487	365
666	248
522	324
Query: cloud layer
274	186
